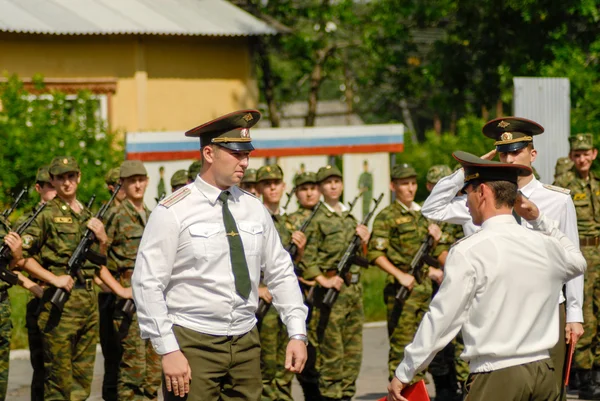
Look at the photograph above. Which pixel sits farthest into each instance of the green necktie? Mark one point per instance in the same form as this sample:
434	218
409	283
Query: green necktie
236	250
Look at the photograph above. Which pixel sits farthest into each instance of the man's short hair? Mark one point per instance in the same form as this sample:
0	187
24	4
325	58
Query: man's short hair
505	192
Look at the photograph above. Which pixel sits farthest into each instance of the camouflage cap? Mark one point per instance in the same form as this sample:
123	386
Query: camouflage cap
563	164
63	164
511	133
113	175
581	142
305	178
249	176
231	131
129	168
328	171
194	169
42	175
437	172
403	170
180	177
269	172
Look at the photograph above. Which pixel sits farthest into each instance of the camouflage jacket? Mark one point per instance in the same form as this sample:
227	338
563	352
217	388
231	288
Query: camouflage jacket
124	228
397	234
450	234
586	198
4	229
328	235
54	235
284	229
298	218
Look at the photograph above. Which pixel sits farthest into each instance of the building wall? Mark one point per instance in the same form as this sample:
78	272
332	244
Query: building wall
163	82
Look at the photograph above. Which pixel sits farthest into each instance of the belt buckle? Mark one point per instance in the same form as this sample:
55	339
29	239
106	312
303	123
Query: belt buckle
89	284
354	279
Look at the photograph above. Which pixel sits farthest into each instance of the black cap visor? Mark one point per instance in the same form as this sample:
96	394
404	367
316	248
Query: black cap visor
237	146
511	147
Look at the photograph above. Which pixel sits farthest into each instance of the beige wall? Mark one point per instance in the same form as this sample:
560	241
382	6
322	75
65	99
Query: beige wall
163	82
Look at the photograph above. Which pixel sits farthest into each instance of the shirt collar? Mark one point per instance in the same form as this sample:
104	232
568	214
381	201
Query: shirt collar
212	193
343	207
528	189
499	220
414	206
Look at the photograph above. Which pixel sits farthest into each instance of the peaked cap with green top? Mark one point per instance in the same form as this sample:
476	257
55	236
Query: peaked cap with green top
231	131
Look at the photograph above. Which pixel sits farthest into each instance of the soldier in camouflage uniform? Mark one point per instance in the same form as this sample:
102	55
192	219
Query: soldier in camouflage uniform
398	231
585	192
139	368
248	183
69	337
179	179
277	381
44	188
564	166
111	179
193	170
449	371
336	332
308	195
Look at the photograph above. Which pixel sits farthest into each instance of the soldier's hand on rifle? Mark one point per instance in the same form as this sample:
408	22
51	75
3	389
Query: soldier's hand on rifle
331	282
299	238
363	232
98	229
435	231
406	280
526	208
263	293
126	293
489	155
436	274
13	240
65	282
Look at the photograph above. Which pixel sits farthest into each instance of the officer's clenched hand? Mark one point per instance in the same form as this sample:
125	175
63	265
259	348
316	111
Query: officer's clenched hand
263	293
177	373
295	356
363	233
394	390
526	208
65	282
573	331
330	282
98	229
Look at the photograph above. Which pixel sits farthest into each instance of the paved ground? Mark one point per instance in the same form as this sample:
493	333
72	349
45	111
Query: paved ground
371	385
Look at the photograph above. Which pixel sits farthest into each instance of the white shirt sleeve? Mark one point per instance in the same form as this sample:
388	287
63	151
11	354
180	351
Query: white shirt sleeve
574	287
443	204
282	282
153	267
447	313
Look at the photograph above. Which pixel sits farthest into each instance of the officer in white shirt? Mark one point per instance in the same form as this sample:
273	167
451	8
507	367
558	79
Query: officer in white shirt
196	278
501	287
514	144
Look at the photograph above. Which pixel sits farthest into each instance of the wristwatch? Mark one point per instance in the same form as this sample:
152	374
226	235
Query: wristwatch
300	337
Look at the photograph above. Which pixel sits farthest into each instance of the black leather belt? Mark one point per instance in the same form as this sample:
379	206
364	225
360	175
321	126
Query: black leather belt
589	241
88	284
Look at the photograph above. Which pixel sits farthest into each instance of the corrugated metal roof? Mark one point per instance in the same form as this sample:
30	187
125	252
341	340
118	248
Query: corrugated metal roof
142	17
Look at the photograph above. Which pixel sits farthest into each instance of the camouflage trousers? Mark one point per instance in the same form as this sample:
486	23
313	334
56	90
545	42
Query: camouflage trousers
5	335
140	368
405	328
587	353
276	380
69	341
36	348
336	334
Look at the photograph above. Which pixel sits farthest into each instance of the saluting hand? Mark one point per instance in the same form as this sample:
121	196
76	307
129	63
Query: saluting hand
178	373
489	155
395	389
526	208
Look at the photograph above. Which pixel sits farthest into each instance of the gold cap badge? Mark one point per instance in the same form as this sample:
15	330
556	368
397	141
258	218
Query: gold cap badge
245	132
248	117
507	136
503	124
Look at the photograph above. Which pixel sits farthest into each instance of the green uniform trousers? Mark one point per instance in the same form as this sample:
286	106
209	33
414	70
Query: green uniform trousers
224	368
336	334
5	336
587	352
276	379
557	353
413	310
69	341
111	347
532	381
140	368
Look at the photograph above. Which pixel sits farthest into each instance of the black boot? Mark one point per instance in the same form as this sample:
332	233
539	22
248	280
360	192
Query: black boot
586	384
447	388
574	382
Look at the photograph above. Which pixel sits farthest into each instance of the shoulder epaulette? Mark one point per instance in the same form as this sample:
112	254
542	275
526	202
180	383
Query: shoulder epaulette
464	238
175	197
247	193
557	189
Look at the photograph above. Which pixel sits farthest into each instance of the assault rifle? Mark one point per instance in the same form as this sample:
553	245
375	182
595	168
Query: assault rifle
91	202
356	198
5	253
421	257
82	253
6	214
263	306
350	258
127	310
290	195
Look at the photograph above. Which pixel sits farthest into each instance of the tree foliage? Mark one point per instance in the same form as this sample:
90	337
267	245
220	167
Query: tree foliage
36	127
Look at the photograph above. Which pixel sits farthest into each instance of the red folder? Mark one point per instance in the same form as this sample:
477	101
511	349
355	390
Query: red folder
415	392
568	361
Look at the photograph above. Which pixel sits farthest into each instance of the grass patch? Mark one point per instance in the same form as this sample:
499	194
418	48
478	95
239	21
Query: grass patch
373	281
18	302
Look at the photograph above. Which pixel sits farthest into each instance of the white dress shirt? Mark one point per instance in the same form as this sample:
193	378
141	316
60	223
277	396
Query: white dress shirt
501	288
183	271
443	205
